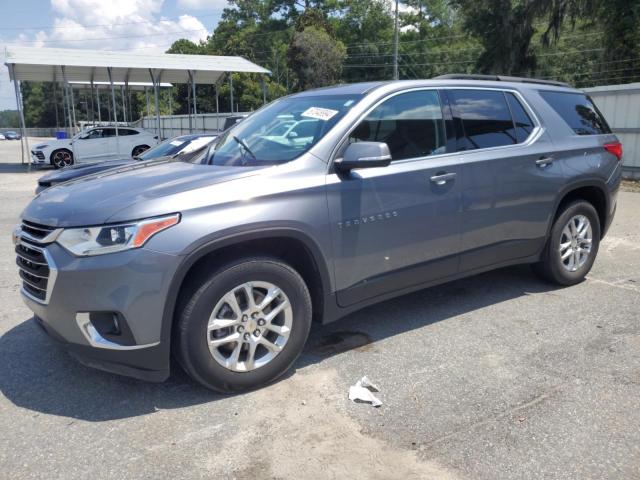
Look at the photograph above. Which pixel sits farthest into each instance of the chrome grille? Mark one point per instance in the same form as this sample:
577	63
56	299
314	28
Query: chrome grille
36	269
36	231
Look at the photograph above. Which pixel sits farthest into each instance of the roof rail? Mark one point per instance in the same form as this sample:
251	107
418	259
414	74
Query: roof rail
499	78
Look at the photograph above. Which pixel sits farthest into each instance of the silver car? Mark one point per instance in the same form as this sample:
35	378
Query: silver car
225	262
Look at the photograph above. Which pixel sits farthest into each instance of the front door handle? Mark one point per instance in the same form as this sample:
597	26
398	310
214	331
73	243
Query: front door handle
544	161
442	178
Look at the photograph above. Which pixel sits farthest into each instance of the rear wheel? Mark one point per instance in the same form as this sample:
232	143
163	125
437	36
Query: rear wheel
138	150
244	325
572	245
61	158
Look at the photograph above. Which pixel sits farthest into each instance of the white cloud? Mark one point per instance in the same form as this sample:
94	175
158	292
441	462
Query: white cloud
127	25
203	4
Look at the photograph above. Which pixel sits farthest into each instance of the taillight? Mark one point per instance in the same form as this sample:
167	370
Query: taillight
615	148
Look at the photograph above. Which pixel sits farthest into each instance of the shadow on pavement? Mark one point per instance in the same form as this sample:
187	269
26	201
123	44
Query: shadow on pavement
38	375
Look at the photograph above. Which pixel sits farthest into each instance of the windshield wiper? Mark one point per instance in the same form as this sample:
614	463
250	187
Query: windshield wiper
244	145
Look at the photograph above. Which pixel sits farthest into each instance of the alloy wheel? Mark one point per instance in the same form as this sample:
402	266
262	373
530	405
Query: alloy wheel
575	243
249	326
62	159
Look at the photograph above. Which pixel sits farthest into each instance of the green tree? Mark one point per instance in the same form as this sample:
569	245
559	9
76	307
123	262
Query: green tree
316	58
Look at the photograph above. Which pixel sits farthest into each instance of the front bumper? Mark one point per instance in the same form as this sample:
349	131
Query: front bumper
38	157
132	286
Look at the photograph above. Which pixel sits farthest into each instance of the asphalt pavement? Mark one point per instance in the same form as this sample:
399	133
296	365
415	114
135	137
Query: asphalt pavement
498	376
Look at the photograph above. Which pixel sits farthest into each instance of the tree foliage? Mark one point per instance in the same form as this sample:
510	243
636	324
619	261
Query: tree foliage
309	43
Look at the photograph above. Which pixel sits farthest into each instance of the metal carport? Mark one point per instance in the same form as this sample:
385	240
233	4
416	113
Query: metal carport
72	65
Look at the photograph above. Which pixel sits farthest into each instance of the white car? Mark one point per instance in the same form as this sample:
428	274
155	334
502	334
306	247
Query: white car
93	145
2	137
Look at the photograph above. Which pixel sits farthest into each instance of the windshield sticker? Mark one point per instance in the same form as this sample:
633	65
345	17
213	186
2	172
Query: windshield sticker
319	113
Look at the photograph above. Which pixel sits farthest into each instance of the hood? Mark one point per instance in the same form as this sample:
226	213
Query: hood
80	170
96	199
53	143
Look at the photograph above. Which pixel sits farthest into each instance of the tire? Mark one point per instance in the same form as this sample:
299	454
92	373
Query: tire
204	362
139	149
570	270
61	158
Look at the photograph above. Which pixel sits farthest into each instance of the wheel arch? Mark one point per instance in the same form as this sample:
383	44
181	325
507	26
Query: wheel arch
595	192
290	245
58	150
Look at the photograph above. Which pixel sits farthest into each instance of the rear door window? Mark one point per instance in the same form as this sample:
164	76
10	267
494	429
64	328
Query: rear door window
578	111
411	124
483	119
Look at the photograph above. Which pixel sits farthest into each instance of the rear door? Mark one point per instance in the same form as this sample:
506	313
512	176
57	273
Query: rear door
398	226
510	177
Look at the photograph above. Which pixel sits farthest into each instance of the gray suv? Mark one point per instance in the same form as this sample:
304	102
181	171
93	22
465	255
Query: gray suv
314	206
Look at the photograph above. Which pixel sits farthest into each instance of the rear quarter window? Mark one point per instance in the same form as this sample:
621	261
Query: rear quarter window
578	111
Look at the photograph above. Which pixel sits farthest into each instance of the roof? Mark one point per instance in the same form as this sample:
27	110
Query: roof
44	64
343	89
391	85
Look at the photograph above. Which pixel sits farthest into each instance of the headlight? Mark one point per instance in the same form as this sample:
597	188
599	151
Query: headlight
40	147
113	238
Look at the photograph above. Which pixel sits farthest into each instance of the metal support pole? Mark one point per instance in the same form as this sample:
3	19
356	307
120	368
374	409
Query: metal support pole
24	141
66	97
55	100
192	77
217	111
264	90
98	104
189	112
231	91
146	94
71	109
156	91
93	106
124	107
115	113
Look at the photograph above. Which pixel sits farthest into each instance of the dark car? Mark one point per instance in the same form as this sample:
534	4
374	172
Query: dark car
11	135
181	145
385	188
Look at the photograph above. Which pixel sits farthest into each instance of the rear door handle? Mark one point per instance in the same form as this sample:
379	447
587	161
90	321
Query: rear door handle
442	178
544	161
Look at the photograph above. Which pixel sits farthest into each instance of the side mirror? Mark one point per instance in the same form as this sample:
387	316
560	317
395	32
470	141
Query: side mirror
84	137
364	155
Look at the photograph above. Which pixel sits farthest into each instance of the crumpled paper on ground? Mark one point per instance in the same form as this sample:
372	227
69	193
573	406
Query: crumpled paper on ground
363	390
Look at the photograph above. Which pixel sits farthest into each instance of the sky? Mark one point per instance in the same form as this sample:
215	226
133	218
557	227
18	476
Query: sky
127	25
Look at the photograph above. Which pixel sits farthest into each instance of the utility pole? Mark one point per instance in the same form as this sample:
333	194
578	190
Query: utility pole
395	46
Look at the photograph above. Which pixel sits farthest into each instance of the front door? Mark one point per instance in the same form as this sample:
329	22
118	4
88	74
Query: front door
398	226
90	147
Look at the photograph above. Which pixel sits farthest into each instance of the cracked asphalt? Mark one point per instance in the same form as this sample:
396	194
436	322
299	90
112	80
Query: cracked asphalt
498	376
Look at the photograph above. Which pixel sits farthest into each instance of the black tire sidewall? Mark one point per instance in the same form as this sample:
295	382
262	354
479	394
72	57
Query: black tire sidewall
557	270
194	350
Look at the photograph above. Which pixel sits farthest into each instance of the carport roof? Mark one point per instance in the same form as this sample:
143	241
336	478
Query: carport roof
45	65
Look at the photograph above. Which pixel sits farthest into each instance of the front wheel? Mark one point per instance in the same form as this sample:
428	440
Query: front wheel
244	325
138	150
61	158
572	245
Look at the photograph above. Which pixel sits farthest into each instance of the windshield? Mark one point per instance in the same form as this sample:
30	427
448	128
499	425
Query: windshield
174	146
281	131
